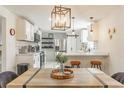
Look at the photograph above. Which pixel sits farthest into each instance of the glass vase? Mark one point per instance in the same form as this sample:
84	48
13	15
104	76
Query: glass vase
62	68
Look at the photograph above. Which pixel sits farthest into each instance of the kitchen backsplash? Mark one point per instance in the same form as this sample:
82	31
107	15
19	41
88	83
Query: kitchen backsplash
23	47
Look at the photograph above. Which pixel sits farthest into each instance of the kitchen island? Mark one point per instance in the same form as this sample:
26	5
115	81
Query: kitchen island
87	54
85	59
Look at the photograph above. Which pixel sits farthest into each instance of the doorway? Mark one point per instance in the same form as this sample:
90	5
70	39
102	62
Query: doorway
2	43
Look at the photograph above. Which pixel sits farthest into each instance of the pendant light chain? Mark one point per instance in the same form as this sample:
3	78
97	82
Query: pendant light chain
73	31
91	26
73	24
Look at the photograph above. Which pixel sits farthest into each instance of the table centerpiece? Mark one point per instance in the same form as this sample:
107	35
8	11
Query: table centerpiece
61	73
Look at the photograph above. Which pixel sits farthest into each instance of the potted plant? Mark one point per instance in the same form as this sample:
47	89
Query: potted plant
61	59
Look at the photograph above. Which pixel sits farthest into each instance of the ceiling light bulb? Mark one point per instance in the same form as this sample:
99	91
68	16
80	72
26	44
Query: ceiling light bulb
73	33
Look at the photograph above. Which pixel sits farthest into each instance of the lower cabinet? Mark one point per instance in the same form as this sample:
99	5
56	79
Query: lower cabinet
37	60
32	59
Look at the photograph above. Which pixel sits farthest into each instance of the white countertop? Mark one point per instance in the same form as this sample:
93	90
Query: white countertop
87	54
27	54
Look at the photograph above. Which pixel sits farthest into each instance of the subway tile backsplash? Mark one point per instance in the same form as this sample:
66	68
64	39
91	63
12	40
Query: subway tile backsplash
23	47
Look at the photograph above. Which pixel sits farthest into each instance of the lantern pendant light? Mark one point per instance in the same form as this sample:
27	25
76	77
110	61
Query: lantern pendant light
60	18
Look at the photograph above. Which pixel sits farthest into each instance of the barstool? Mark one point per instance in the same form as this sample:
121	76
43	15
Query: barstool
95	63
75	63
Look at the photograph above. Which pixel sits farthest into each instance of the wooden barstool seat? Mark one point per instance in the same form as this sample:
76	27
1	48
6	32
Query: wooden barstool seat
75	63
96	63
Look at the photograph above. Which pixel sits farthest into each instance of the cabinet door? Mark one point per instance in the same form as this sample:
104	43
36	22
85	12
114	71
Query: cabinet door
71	44
37	61
25	30
28	30
21	29
32	33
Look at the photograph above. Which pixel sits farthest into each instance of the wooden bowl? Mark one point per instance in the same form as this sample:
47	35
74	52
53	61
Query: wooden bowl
56	74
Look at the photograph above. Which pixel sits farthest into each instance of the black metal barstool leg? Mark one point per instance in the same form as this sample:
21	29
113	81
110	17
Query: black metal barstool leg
100	67
78	66
94	66
97	67
91	65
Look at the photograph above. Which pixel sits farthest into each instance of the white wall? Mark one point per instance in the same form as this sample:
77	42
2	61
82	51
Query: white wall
115	46
10	41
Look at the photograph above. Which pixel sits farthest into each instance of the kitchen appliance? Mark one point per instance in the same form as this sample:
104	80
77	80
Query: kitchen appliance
60	45
36	37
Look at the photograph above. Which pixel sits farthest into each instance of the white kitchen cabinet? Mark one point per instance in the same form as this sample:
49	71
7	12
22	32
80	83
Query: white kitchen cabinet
32	33
25	58
36	60
71	44
32	59
25	30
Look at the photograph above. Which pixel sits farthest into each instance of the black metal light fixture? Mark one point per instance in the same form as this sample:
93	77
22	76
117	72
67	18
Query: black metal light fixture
91	25
60	18
73	30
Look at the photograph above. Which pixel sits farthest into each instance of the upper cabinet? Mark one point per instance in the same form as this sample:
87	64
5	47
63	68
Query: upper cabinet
25	30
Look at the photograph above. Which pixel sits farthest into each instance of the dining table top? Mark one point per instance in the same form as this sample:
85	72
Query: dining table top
83	78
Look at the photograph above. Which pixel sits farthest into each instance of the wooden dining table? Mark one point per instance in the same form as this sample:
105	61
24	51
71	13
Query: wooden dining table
83	78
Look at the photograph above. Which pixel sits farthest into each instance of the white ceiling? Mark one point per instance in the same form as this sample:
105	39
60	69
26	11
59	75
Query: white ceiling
40	14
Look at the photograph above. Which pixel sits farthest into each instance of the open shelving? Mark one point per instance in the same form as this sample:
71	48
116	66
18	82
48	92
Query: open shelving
47	38
48	47
47	43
